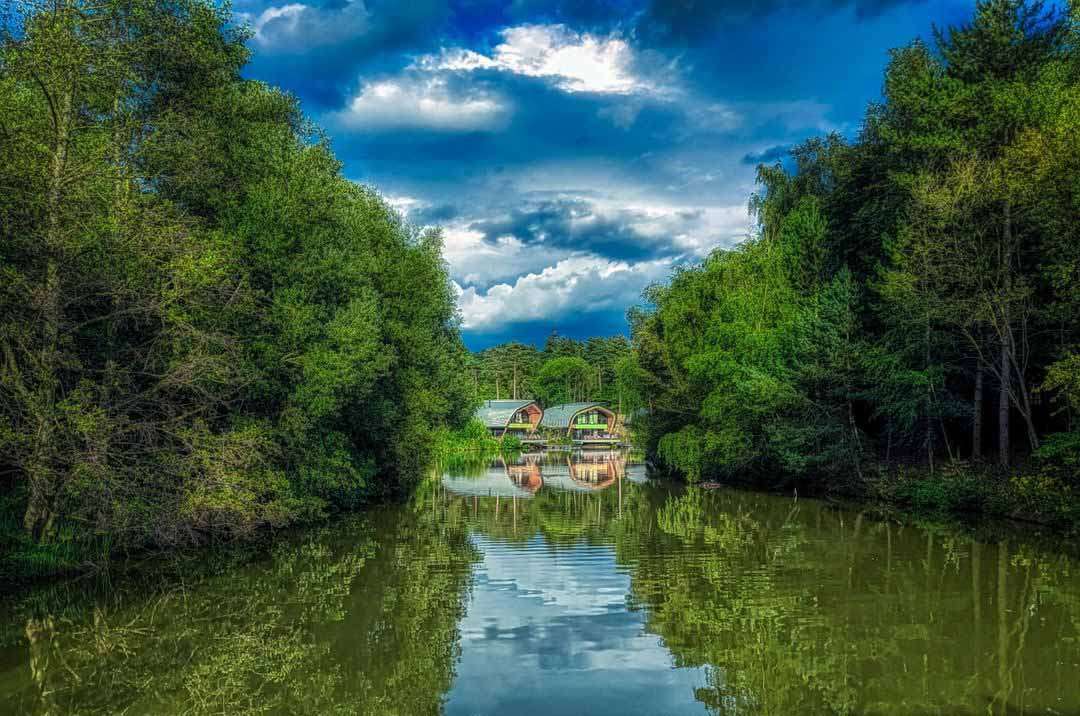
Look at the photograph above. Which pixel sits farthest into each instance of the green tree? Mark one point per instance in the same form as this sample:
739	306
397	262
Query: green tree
563	380
204	327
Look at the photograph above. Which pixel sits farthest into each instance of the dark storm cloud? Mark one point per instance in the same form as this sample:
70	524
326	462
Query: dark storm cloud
577	325
578	13
473	17
318	51
690	22
432	215
574	224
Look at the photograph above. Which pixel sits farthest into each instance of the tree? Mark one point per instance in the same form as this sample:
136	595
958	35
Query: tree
204	327
893	281
563	380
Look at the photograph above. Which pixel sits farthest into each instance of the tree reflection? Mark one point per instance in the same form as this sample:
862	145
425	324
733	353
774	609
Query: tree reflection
790	607
358	617
800	607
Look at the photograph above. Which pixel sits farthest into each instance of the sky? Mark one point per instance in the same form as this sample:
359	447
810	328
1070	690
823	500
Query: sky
575	151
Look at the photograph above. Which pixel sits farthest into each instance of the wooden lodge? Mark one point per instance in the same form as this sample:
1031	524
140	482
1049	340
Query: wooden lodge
519	418
584	423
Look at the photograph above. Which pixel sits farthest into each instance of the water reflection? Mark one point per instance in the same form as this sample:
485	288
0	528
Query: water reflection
728	602
569	584
525	474
357	618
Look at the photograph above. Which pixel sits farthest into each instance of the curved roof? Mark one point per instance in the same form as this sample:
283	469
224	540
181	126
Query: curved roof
559	416
497	413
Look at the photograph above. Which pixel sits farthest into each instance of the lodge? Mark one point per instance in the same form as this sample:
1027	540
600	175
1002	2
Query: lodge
519	418
581	422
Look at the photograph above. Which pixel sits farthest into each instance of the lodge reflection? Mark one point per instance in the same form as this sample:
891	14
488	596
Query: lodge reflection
527	474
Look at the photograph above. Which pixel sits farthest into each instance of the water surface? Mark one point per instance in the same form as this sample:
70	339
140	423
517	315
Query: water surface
568	584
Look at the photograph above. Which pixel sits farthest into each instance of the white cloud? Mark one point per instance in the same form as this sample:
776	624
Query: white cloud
682	232
424	103
575	285
403	204
575	62
476	262
297	28
285	15
694	230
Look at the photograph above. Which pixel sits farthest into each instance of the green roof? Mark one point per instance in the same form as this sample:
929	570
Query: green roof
559	416
497	413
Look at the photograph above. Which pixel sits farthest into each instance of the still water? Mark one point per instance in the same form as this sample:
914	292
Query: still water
568	584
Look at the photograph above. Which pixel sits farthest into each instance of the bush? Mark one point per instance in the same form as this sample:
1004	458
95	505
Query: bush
946	493
473	439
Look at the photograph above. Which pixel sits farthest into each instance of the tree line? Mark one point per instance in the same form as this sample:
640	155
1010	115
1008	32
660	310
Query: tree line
204	327
565	370
911	295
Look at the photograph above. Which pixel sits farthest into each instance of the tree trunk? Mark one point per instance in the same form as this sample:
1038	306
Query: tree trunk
977	415
929	403
1006	333
855	438
38	518
1024	405
1003	406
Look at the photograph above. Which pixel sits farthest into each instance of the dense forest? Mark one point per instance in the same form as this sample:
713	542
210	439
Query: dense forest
911	296
204	327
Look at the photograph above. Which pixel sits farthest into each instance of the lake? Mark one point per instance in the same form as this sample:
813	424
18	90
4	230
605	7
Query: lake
568	583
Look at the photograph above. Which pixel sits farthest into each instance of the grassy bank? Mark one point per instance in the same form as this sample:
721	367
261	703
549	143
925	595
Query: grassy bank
473	441
1027	493
1033	493
23	559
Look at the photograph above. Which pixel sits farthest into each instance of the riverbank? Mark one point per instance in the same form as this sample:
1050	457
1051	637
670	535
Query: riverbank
953	490
1028	495
952	493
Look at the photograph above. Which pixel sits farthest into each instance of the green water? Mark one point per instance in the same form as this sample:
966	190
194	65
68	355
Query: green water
568	585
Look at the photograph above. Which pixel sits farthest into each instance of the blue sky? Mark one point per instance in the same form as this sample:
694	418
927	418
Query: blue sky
575	151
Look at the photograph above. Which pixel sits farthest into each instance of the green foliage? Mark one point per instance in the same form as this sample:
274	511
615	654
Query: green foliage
566	370
204	328
1061	451
472	438
562	380
904	292
949	492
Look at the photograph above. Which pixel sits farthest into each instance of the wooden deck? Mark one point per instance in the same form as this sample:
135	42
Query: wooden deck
586	442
